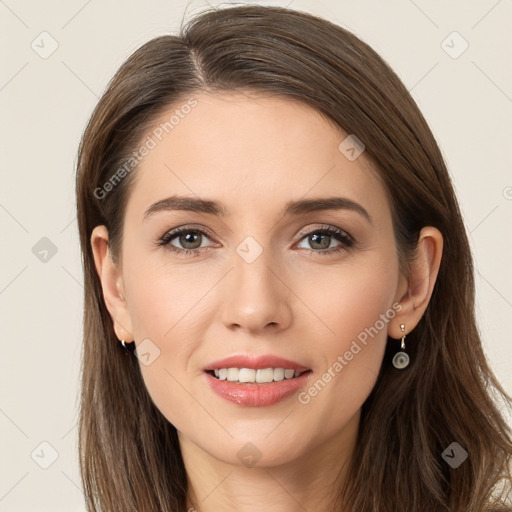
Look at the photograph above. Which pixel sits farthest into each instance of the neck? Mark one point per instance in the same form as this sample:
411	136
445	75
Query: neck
309	481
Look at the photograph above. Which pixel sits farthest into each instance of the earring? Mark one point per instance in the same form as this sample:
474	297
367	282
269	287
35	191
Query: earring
401	359
123	343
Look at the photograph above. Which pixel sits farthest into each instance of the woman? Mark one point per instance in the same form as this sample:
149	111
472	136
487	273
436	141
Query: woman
279	294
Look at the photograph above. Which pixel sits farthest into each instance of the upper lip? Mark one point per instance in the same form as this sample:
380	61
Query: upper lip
256	363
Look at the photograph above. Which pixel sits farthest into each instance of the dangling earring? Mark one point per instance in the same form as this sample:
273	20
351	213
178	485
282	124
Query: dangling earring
401	359
124	346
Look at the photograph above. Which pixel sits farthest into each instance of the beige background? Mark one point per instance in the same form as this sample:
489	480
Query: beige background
45	103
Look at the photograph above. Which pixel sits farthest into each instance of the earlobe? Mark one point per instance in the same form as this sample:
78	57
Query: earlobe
424	269
112	284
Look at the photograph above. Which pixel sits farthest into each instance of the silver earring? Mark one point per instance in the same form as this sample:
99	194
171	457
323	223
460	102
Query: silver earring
122	343
401	359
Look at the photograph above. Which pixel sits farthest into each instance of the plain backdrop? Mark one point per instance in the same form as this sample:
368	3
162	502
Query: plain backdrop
57	58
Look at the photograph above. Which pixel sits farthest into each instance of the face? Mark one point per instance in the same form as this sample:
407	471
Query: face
264	274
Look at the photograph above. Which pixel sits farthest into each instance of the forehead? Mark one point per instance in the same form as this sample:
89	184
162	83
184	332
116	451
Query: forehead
249	150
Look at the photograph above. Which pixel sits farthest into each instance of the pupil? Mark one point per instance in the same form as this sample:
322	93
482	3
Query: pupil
324	245
189	239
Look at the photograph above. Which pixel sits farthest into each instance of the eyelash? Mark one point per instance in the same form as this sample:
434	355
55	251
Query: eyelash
346	240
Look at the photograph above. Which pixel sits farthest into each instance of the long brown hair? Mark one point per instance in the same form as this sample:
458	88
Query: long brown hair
129	453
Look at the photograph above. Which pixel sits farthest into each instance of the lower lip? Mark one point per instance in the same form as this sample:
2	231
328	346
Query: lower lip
257	395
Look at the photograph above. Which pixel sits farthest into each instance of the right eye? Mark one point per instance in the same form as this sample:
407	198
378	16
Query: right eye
190	240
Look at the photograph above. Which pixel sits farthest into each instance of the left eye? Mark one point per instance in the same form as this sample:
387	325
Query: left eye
322	240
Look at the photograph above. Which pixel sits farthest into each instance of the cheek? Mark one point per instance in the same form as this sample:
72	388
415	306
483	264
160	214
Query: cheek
349	300
169	309
161	309
162	300
357	306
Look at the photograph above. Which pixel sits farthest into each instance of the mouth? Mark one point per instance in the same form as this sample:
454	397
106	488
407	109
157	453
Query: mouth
244	391
256	381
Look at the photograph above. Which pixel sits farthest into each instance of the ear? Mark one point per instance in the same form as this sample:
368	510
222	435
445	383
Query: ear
415	290
112	284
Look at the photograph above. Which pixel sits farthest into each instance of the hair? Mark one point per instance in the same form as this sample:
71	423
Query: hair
130	457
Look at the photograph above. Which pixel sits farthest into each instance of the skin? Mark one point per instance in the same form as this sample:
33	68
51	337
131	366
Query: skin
255	153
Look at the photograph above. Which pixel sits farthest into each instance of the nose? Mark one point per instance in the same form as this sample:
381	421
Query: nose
256	296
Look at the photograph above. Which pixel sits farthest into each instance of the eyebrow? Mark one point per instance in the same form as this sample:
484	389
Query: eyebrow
216	208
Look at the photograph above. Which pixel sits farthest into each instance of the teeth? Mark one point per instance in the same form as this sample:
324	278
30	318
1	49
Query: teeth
279	374
247	375
264	375
259	376
233	374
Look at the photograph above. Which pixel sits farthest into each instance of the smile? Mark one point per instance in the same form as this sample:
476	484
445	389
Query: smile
260	376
